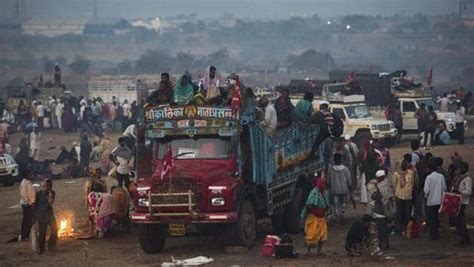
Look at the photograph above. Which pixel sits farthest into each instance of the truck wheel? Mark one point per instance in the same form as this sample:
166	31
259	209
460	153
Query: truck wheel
246	225
278	223
360	137
293	222
152	237
9	181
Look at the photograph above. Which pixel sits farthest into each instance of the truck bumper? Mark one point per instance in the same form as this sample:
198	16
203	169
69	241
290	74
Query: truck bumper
451	126
212	217
376	134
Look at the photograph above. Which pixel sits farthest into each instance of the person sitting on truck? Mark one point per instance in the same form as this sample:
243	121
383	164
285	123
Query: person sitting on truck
183	92
304	108
164	93
441	136
284	109
209	85
269	123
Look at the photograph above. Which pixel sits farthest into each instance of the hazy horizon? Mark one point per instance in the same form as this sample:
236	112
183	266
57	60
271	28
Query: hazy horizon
263	9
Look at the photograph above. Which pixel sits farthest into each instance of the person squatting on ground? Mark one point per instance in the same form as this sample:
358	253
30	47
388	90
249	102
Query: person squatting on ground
358	237
45	216
316	230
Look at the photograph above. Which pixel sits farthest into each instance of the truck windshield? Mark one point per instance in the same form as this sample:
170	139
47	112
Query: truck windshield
199	147
427	102
359	111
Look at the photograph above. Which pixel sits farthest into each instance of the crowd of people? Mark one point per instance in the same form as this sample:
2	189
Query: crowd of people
400	197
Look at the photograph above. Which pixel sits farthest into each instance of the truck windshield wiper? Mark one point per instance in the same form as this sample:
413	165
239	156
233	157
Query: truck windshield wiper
183	154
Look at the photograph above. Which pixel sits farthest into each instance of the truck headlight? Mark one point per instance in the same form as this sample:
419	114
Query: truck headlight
449	119
143	202
218	201
392	125
373	127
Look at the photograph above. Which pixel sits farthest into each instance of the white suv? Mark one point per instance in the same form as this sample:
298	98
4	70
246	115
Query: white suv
8	170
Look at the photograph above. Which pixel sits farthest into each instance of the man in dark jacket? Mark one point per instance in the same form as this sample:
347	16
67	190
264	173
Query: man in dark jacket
86	149
45	216
22	157
324	119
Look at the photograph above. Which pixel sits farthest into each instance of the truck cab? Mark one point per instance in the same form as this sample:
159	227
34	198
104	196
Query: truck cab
409	105
359	123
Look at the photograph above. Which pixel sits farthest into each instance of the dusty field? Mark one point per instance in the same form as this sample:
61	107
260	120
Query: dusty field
123	248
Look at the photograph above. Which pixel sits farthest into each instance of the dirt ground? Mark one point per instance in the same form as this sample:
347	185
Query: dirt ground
123	249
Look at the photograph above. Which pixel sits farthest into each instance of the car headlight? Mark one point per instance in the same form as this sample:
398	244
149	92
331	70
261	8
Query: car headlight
373	127
143	202
218	201
449	119
392	125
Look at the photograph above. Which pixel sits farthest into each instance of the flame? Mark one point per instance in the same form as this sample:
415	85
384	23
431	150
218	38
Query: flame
65	228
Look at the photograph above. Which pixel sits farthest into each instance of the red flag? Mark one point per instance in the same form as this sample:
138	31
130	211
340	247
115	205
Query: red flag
168	164
351	77
429	78
235	98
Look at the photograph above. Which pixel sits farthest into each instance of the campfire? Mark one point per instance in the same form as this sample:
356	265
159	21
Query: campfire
65	229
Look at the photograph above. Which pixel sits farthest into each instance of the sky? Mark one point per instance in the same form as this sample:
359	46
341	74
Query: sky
264	9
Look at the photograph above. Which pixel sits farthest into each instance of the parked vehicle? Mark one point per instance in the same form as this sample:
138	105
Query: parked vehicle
227	174
8	170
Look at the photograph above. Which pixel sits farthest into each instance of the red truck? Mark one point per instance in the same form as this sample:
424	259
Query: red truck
227	174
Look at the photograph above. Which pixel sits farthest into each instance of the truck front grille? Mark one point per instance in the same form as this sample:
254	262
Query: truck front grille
384	127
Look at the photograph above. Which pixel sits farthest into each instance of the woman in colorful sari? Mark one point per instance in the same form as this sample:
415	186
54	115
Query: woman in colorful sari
105	215
315	228
183	92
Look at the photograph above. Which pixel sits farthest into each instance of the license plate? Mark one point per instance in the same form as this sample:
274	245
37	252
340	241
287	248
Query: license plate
176	229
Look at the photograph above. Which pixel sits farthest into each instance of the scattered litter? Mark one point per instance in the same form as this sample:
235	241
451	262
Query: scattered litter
389	258
16	206
71	182
196	261
36	185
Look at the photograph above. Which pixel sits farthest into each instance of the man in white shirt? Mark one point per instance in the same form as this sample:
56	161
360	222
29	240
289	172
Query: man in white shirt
444	103
40	114
59	113
127	114
459	119
435	186
122	157
28	196
269	123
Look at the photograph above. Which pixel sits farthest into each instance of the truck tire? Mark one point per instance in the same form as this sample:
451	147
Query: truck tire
246	225
293	222
152	237
9	181
360	137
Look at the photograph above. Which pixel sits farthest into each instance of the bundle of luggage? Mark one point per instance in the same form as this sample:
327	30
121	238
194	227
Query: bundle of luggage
279	247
